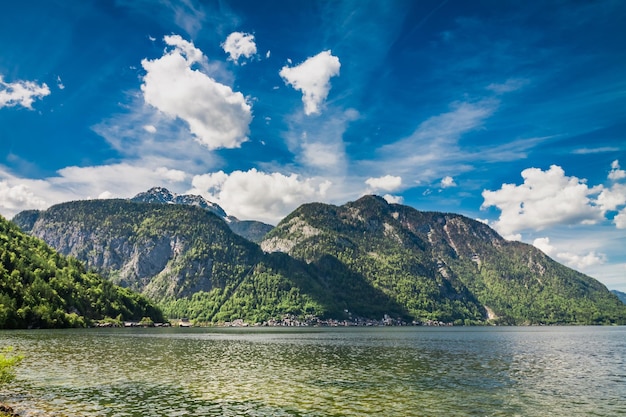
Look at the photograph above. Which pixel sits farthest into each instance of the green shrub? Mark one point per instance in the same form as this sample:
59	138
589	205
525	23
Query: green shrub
8	362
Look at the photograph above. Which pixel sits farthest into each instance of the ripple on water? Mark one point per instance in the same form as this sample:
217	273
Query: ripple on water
363	372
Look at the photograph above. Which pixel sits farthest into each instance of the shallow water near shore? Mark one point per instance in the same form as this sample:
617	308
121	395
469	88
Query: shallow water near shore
416	371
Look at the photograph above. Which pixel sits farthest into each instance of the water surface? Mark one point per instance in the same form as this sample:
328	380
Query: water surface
417	371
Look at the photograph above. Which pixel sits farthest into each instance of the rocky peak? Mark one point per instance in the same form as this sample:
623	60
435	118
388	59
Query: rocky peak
250	229
162	195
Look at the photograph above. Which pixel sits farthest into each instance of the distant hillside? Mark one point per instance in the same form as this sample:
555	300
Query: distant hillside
363	259
443	266
40	288
620	295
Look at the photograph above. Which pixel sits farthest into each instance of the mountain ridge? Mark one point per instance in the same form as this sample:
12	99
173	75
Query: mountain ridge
252	230
447	253
366	258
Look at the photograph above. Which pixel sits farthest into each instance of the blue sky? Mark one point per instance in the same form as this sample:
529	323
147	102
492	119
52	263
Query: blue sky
509	112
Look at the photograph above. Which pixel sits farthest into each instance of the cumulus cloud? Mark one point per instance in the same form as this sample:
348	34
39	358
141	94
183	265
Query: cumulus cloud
572	260
21	93
217	116
312	78
14	197
543	244
546	198
616	173
620	219
384	183
447	182
549	198
239	44
610	199
393	199
259	195
581	262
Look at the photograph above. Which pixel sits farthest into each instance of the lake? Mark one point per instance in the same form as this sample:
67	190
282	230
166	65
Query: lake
413	371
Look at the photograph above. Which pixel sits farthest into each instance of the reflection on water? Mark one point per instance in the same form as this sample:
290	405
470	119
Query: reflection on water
573	371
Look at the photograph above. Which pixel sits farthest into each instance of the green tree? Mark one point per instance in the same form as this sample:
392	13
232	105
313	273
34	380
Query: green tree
8	362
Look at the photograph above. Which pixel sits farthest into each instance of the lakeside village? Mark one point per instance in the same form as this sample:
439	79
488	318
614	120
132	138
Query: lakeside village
286	321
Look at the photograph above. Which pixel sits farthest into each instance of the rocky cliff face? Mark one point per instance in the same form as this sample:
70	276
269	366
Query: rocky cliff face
160	251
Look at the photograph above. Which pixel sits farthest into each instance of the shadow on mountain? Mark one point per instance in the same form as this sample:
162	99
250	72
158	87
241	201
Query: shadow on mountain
351	291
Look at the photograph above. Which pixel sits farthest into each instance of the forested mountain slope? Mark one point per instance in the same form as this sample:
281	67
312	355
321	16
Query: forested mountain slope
621	295
185	257
365	259
443	266
40	288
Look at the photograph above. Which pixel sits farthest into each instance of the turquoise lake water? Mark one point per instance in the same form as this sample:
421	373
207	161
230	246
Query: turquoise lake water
415	371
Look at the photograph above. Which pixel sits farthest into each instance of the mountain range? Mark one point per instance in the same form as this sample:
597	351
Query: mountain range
365	259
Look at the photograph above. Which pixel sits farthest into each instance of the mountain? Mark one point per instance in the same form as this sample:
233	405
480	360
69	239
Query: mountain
365	259
40	288
443	266
250	229
185	257
620	295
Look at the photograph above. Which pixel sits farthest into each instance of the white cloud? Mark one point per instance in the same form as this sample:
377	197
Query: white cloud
447	182
171	175
393	199
581	262
573	260
119	180
612	198
586	151
14	197
106	195
21	93
508	86
620	219
385	183
546	198
312	78
322	155
149	128
76	183
239	44
258	195
516	237
616	173
543	244
217	116
60	84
